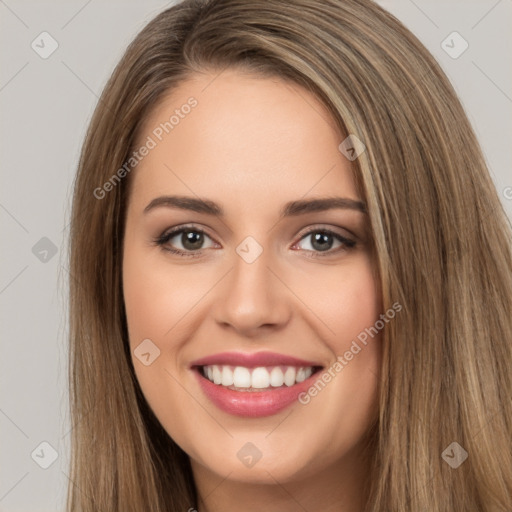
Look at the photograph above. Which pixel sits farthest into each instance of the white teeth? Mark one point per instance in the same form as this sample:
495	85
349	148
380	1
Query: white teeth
301	375
227	376
241	377
257	378
289	376
260	378
276	377
217	375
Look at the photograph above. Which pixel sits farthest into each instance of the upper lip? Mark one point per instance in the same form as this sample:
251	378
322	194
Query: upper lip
253	360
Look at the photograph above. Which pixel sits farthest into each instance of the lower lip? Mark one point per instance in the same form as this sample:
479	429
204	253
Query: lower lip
252	404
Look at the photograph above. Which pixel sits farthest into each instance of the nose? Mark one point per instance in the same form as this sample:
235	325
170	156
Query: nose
252	299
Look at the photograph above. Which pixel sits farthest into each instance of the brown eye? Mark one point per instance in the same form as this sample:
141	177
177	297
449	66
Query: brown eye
191	240
323	240
183	241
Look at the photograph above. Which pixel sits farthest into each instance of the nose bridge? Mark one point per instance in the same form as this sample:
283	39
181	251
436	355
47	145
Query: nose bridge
251	295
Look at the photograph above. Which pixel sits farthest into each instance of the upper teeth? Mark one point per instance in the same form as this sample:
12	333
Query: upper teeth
261	377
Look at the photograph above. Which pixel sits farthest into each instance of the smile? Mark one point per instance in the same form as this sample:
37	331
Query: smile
253	385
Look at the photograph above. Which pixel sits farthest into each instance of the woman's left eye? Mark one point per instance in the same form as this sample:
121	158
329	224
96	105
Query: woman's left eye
192	240
322	241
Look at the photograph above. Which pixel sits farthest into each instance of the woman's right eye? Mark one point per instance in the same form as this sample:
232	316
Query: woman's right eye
190	239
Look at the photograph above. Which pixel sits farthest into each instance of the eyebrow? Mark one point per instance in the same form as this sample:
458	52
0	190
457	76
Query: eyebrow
292	208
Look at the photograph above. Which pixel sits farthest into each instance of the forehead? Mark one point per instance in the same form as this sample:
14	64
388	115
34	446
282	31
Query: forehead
243	137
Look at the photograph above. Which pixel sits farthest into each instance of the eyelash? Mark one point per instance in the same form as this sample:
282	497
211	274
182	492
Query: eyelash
165	237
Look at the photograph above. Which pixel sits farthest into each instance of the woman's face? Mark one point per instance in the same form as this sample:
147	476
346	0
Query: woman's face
268	279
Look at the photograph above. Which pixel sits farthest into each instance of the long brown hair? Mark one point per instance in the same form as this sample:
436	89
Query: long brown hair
442	241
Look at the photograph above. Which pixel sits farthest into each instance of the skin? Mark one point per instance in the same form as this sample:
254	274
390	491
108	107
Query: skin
251	145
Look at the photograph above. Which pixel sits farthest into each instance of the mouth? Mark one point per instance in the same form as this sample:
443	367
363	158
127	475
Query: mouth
254	385
259	379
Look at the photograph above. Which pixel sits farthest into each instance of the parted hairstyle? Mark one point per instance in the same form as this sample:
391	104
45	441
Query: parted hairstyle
442	248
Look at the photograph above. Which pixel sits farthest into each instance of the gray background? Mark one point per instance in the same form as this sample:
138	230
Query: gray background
46	105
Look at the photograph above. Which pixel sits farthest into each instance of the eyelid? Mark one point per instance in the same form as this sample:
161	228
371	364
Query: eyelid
171	232
325	228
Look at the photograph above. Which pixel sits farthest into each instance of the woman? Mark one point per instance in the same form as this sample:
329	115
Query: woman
292	290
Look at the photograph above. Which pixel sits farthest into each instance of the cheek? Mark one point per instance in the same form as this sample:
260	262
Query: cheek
345	300
357	344
157	300
157	295
359	305
349	304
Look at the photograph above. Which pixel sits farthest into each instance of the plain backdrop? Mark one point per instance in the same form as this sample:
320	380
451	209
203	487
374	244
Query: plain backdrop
46	104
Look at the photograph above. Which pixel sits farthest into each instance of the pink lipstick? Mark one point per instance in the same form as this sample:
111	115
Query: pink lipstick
253	385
